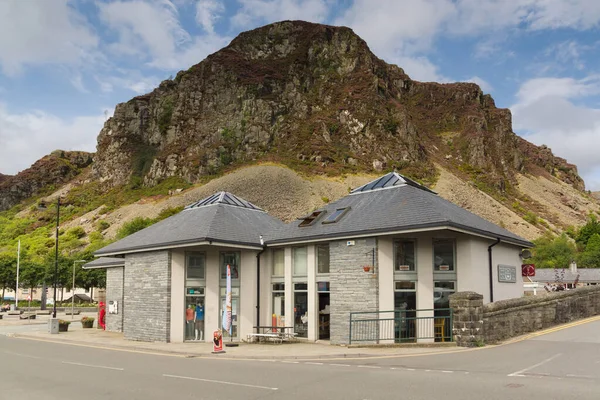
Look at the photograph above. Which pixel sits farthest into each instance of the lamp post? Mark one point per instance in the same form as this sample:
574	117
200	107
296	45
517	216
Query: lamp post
73	288
42	206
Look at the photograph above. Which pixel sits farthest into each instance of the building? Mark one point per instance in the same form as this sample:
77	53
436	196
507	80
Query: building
391	244
551	279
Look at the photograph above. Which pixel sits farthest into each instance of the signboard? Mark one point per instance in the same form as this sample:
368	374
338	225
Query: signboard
195	291
444	268
528	269
217	342
403	267
507	273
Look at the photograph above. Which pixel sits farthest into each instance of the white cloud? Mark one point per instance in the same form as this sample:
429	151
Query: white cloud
548	115
25	138
419	68
483	84
207	13
38	32
254	12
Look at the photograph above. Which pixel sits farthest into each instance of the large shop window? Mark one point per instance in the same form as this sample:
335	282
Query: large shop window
323	258
278	313
441	304
301	309
443	254
233	260
404	255
300	261
195	266
278	262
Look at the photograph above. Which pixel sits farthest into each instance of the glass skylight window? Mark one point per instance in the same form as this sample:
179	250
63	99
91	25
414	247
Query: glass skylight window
336	215
308	220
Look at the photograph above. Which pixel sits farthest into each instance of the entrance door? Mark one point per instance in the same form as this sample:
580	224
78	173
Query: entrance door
194	314
405	303
323	301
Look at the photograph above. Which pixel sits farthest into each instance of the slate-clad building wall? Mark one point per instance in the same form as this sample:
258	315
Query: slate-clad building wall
114	292
352	289
147	294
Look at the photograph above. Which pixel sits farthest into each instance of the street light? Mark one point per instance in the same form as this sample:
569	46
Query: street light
42	206
73	288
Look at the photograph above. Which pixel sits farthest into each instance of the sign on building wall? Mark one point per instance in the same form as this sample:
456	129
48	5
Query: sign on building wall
528	269
507	273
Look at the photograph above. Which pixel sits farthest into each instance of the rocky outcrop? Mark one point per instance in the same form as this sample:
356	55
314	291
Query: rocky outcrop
313	97
52	170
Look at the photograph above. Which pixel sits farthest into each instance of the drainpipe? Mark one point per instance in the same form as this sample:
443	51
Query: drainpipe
262	243
491	270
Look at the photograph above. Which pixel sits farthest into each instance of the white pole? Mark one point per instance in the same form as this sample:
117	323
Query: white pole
73	292
17	288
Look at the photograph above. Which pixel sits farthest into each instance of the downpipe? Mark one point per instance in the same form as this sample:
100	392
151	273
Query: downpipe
491	269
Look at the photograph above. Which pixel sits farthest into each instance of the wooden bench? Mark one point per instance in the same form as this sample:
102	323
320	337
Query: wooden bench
266	336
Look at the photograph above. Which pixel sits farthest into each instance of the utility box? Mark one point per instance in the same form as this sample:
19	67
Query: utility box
53	325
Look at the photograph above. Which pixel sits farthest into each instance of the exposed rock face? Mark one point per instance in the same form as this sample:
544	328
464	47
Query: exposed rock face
54	169
315	97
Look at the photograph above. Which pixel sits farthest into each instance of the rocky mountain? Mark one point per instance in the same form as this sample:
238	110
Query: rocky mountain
315	98
49	172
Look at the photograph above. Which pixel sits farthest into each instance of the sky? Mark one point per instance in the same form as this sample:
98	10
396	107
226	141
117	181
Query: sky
64	65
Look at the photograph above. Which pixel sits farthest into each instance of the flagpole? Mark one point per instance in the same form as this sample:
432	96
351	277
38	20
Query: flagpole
17	288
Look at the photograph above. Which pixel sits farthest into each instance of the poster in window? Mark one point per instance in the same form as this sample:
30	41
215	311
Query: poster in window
403	267
444	268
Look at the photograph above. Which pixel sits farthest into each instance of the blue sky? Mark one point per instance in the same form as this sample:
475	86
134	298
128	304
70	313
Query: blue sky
64	65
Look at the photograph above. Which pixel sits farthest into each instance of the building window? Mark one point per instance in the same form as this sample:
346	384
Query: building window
300	261
195	266
301	309
336	215
405	304
443	254
322	258
310	219
231	258
278	262
278	313
404	255
441	293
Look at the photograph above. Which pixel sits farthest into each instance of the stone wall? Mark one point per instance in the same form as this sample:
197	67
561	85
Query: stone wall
114	292
147	296
475	323
352	289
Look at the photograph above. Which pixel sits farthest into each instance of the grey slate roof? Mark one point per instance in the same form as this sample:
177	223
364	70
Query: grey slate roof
216	221
105	262
544	275
396	207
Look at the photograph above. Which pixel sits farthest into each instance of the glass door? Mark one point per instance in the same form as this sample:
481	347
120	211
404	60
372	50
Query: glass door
323	301
405	304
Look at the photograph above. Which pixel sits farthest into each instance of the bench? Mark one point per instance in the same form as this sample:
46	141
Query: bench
266	336
74	313
0	316
43	312
15	312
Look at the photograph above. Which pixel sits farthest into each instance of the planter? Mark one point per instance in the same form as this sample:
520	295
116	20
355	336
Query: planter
87	324
366	268
63	327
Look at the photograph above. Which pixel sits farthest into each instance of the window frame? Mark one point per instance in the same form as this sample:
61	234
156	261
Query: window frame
328	258
294	274
222	265
277	250
189	254
437	270
415	247
344	211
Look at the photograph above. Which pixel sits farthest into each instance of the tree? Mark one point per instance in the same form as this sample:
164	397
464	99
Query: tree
584	234
8	271
553	252
31	274
590	258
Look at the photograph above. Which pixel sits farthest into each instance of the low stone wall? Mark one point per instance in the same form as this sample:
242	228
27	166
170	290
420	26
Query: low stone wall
476	323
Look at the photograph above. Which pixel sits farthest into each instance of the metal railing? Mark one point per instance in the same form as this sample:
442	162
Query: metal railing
401	326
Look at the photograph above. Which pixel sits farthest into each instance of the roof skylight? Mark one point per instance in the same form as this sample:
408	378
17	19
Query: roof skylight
336	215
310	219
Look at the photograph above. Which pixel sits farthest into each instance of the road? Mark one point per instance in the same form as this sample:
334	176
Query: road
560	365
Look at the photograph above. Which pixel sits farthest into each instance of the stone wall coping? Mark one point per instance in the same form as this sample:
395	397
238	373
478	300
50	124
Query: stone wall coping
536	301
466	296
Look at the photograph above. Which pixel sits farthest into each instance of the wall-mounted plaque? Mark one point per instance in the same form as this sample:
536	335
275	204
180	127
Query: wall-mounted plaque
507	273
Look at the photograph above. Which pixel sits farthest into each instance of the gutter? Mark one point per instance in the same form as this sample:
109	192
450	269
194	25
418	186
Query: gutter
264	247
491	269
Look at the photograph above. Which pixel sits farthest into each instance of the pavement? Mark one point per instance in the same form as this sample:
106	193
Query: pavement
560	363
38	330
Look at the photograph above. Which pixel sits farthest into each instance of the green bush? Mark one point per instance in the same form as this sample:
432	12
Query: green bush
165	115
102	225
136	224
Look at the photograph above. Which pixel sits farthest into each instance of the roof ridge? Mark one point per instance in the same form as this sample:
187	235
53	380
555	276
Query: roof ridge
224	198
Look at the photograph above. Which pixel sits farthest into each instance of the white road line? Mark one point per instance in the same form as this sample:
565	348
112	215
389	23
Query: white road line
580	376
448	372
368	366
340	365
410	369
520	372
21	355
313	363
221	382
92	366
290	362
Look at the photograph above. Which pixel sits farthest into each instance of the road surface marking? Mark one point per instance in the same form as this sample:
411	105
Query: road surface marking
92	366
410	369
580	376
448	372
221	382
368	366
313	363
290	362
21	355
522	371
340	365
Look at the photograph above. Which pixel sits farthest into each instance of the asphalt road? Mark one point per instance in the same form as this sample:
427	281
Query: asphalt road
560	365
